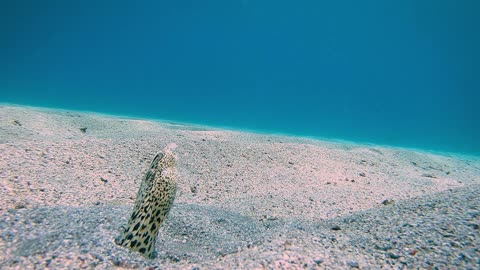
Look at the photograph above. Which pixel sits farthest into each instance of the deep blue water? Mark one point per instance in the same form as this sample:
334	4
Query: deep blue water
402	73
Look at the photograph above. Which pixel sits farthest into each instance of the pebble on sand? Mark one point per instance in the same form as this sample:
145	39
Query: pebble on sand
388	202
353	264
393	255
336	228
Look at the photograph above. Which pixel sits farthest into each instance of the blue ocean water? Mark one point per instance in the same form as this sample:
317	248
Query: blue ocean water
402	73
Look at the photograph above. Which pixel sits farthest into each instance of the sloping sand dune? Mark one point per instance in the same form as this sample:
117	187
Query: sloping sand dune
244	200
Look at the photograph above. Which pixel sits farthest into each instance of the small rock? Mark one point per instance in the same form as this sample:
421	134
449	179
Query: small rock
384	248
174	258
353	180
455	244
20	206
103	180
362	174
464	257
388	202
393	255
336	228
413	252
328	183
474	226
318	260
117	262
193	189
83	129
353	264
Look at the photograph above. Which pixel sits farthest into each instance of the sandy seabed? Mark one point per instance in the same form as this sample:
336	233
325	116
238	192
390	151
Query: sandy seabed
244	200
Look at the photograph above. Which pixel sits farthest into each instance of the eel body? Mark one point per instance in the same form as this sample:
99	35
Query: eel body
154	201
